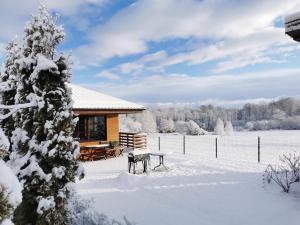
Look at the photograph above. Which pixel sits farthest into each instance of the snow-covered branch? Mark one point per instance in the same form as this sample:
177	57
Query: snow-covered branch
14	108
17	106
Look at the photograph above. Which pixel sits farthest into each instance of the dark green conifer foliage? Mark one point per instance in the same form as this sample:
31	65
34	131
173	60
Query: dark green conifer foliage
42	141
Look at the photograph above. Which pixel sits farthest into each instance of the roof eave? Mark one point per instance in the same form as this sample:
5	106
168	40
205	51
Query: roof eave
97	111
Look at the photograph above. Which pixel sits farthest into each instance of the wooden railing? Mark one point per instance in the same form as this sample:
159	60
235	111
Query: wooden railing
133	140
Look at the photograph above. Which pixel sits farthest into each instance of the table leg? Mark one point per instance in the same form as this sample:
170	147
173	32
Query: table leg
129	166
133	168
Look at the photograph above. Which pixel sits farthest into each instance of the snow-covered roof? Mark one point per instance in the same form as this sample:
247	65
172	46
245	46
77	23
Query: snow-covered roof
292	26
88	99
292	17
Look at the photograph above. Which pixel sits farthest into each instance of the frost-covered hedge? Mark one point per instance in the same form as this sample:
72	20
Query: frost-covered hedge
189	128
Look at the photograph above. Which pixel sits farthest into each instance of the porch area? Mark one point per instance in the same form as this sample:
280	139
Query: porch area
97	150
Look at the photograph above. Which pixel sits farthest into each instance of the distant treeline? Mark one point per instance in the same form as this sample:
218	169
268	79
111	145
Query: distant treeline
281	114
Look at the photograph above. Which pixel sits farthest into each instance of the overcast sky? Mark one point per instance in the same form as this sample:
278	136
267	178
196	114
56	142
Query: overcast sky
225	52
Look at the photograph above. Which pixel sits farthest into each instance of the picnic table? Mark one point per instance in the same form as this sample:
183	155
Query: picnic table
144	156
91	152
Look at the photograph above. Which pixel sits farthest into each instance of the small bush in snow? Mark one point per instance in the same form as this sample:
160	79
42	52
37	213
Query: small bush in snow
285	174
84	213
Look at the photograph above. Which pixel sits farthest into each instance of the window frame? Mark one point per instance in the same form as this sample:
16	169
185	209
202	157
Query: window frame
83	128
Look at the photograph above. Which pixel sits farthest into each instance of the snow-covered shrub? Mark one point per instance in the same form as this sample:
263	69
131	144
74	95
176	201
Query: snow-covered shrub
285	174
166	126
219	128
189	128
83	212
194	129
10	193
228	128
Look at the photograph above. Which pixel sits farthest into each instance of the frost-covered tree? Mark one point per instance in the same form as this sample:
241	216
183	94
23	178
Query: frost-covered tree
148	122
194	129
189	128
166	126
129	124
219	128
228	128
43	150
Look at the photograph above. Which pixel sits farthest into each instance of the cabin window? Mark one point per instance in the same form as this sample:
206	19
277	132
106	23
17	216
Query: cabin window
91	128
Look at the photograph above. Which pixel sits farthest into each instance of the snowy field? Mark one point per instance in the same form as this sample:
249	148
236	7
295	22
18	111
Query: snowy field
198	189
239	147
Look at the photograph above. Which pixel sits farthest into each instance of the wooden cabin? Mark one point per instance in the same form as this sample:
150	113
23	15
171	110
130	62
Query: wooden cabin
99	118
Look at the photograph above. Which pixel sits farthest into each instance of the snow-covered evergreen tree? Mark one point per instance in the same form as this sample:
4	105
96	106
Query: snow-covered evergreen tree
219	128
43	150
228	128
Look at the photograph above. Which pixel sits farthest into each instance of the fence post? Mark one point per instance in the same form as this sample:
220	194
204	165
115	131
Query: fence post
258	149
216	147
158	143
184	144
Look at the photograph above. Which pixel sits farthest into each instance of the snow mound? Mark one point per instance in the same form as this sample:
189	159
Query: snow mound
6	222
11	183
127	180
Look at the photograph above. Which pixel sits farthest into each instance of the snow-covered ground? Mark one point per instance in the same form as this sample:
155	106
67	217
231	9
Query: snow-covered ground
197	188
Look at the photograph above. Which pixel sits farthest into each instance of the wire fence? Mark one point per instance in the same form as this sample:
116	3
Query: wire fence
265	147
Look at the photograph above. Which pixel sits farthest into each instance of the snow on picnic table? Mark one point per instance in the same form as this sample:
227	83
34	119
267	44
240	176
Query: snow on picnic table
196	190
